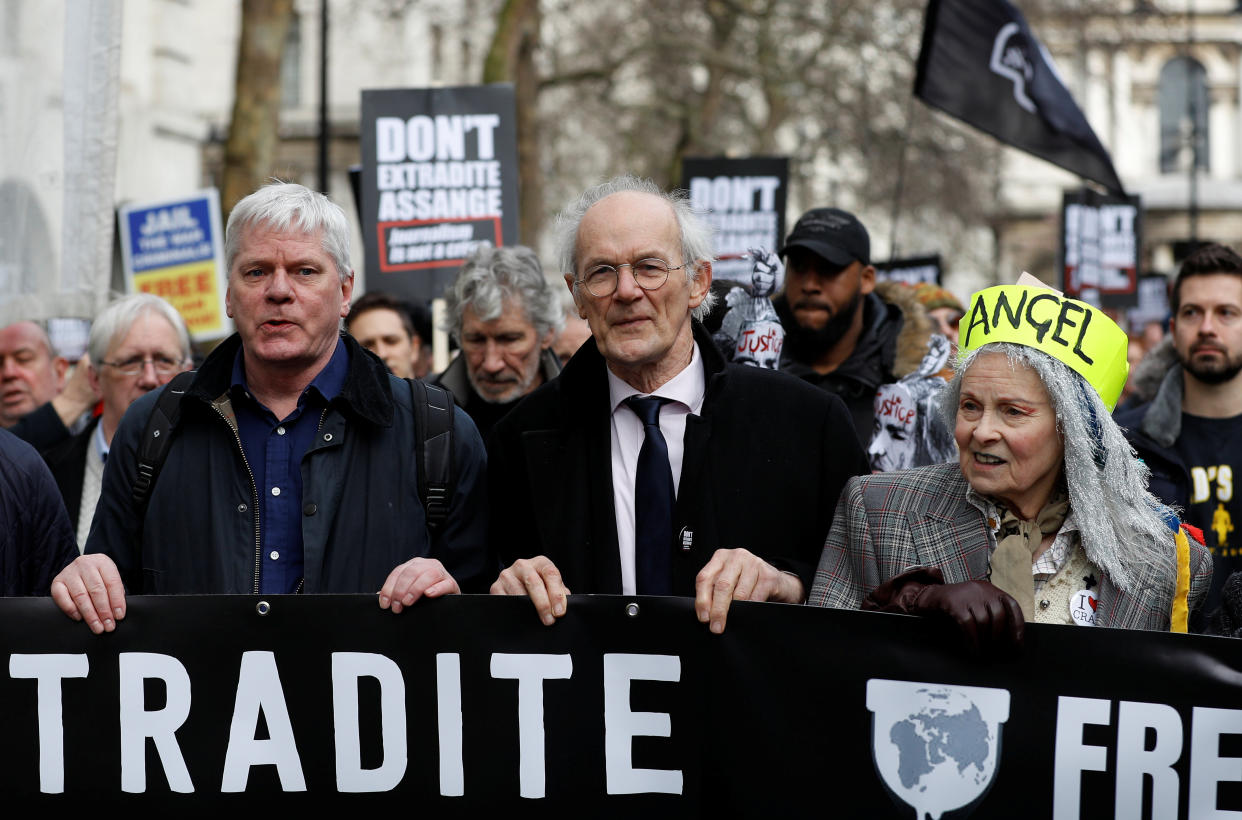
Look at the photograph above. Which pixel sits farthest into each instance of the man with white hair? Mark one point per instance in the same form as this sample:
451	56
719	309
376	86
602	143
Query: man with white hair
505	316
137	343
650	466
292	465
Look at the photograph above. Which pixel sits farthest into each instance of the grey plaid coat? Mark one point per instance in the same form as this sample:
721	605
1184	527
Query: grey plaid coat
889	522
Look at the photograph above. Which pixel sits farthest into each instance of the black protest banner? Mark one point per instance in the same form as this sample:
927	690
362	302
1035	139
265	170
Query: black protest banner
912	270
981	63
1100	240
625	707
439	177
744	200
1153	302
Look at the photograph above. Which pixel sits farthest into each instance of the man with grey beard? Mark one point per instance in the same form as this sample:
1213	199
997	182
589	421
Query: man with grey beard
1189	433
504	315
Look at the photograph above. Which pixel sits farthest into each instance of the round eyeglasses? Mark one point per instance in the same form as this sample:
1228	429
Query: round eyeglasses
649	274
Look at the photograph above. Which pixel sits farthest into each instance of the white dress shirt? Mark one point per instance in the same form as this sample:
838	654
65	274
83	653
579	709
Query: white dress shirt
686	391
92	483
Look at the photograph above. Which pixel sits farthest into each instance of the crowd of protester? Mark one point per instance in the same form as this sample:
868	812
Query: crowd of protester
843	441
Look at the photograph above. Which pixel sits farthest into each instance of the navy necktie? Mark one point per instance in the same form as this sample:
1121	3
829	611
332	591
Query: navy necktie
653	502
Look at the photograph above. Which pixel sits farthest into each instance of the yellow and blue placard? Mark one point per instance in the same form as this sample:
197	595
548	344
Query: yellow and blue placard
174	249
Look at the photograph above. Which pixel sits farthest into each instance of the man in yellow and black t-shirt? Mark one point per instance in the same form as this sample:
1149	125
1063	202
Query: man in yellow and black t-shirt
1190	434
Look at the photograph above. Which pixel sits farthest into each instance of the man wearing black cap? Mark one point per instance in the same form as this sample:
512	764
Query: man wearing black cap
844	332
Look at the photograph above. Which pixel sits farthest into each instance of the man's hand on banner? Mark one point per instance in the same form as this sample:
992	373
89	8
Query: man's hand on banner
416	578
90	589
740	575
539	579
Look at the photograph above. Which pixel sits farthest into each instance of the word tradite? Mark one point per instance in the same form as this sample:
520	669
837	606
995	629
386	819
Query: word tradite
261	731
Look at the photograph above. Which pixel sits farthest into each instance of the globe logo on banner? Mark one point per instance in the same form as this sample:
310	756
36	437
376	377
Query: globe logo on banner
936	746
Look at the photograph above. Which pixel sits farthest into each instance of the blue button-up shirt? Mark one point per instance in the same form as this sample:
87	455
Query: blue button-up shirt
274	449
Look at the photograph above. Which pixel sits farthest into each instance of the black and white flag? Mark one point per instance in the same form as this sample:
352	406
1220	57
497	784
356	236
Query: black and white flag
981	63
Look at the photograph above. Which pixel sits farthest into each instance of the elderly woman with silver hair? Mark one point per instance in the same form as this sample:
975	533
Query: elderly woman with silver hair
1045	518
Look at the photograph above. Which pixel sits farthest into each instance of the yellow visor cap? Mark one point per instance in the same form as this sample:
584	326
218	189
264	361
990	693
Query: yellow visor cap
1073	332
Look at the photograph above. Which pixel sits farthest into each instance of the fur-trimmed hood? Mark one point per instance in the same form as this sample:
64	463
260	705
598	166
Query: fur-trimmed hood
1149	373
916	326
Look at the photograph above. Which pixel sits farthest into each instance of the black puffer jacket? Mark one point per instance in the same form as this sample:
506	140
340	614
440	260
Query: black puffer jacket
361	511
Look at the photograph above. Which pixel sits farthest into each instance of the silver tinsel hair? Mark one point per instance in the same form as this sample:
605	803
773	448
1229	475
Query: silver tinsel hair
1122	526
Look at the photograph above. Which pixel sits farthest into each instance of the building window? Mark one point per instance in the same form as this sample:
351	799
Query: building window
1183	116
291	65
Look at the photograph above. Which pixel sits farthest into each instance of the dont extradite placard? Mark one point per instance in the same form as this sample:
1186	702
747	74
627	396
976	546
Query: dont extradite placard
439	176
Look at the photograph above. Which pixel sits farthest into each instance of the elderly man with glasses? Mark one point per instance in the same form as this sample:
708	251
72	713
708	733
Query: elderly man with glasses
136	344
650	466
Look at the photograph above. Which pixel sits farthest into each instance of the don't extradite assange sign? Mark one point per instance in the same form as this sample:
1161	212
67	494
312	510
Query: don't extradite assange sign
439	177
626	705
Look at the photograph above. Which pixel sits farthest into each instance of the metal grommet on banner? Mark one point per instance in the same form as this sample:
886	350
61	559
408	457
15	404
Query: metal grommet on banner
263	607
631	609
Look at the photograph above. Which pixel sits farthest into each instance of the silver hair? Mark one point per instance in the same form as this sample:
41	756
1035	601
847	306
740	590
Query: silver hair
491	275
694	230
1122	526
281	205
114	322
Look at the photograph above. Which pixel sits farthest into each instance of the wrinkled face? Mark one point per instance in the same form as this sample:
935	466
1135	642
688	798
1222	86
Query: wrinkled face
382	332
1207	329
820	293
152	345
944	321
1007	436
637	329
286	299
502	356
29	375
892	438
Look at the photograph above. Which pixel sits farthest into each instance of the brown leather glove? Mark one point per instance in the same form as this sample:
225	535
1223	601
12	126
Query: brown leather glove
989	618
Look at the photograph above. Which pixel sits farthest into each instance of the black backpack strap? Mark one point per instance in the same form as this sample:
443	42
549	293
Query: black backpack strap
156	438
433	448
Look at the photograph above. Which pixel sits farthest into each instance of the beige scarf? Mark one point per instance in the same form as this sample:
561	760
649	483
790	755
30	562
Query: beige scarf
1015	552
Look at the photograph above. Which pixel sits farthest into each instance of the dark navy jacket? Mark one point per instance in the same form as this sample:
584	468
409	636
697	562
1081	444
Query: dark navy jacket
763	466
361	511
36	541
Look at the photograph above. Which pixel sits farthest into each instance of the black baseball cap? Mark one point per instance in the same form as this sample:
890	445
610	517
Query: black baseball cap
833	234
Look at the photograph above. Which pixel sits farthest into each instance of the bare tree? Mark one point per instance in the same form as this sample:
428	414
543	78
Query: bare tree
253	135
511	58
636	87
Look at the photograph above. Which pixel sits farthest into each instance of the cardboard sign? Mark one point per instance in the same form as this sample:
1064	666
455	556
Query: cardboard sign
439	177
912	271
744	200
1101	237
174	249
